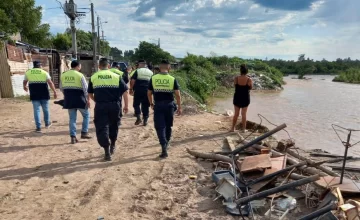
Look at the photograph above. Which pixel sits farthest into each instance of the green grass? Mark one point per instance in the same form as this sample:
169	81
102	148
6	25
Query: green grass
350	76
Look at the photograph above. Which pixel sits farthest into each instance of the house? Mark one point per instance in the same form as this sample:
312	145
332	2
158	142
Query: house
16	59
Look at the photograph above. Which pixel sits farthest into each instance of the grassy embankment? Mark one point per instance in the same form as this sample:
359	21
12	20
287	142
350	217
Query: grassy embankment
349	76
201	79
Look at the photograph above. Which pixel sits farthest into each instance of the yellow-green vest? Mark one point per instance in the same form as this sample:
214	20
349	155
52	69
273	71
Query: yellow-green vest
144	74
105	79
163	83
132	73
115	70
36	75
71	80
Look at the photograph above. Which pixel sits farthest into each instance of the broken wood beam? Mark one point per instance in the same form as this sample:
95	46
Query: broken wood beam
278	189
256	140
209	156
277	173
333	156
339	167
311	163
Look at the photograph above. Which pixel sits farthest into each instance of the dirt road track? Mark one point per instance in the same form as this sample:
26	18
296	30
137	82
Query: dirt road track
42	176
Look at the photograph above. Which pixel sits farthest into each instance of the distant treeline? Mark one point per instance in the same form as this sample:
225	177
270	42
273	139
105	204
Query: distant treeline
306	66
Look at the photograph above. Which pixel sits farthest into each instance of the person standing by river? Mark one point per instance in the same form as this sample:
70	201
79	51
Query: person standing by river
243	85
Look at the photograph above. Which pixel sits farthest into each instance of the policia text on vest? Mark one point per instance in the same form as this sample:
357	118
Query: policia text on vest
162	87
107	89
38	81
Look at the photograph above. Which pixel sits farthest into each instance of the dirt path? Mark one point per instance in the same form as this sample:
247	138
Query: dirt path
42	176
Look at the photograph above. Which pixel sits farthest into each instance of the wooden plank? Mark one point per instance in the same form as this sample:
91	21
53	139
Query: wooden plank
348	185
230	142
6	89
256	163
277	163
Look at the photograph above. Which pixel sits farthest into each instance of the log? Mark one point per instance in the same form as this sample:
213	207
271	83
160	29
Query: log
311	163
339	167
209	156
278	189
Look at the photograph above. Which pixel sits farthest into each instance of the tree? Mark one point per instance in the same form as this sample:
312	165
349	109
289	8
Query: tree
62	42
23	17
116	53
151	53
301	58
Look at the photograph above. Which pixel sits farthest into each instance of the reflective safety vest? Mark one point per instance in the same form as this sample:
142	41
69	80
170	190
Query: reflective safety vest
71	80
144	74
74	96
105	79
132	73
163	83
36	75
115	70
38	86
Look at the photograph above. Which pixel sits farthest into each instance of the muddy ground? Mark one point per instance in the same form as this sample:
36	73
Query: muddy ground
43	176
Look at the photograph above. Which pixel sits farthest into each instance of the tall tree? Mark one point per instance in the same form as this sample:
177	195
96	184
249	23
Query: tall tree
150	53
24	17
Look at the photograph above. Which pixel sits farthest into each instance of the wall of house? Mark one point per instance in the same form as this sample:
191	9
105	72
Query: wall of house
17	85
87	67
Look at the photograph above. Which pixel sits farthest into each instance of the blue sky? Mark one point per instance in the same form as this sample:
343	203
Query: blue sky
245	28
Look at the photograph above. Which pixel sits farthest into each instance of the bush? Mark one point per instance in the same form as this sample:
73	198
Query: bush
349	76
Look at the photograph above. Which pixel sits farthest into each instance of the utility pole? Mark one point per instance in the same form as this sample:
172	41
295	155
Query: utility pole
94	37
70	10
159	43
98	34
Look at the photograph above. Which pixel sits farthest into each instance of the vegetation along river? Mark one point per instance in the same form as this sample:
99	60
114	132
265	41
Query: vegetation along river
309	108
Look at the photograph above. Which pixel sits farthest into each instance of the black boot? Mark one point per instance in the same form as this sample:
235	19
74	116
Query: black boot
107	153
145	121
138	120
112	148
164	153
74	140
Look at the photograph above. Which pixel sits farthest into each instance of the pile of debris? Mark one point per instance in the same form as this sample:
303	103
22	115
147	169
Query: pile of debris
259	178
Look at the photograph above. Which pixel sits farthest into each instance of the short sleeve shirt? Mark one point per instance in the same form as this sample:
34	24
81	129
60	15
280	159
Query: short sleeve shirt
163	96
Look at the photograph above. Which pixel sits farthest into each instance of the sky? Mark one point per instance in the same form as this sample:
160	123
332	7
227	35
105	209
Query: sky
280	29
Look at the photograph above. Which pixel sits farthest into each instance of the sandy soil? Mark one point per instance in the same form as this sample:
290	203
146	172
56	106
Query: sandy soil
44	177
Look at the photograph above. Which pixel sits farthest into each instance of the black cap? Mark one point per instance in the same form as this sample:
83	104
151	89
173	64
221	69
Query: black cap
74	63
115	64
141	61
164	62
36	64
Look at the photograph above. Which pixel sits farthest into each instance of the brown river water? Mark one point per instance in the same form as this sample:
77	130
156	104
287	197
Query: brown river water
309	108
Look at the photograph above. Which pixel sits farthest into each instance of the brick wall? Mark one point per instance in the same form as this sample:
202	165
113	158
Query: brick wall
42	58
14	53
18	67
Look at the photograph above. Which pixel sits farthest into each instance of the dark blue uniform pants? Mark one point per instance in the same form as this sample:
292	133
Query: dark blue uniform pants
140	98
107	120
163	120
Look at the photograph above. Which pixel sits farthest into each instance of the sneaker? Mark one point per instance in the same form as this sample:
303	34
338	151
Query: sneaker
74	140
138	121
49	125
38	130
85	135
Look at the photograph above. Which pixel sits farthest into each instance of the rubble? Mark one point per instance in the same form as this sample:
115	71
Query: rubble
248	184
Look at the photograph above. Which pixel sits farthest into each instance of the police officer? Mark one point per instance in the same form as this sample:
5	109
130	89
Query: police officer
39	80
162	86
116	69
138	87
74	86
106	89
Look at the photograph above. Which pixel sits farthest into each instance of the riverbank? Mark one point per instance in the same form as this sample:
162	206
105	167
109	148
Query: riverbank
44	177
